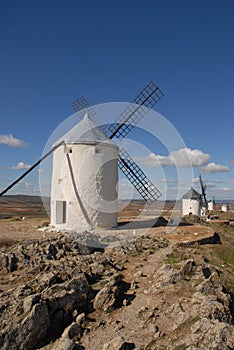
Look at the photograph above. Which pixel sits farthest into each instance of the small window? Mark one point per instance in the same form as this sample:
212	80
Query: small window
60	212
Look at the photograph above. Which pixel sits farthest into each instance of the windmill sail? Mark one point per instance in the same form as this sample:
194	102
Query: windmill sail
147	98
136	110
137	177
203	189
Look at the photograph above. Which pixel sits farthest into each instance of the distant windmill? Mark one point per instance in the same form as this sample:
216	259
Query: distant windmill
68	210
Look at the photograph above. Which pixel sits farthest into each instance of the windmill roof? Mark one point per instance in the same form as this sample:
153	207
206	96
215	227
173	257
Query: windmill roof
86	132
192	194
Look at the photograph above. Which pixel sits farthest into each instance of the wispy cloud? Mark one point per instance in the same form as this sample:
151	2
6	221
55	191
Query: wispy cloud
25	185
226	189
20	165
232	162
11	141
213	168
208	183
184	157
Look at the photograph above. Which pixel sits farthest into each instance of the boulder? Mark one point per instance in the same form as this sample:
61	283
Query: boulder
166	275
72	331
186	267
35	326
106	297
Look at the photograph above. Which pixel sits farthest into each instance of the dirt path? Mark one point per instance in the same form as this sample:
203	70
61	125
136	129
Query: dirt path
125	321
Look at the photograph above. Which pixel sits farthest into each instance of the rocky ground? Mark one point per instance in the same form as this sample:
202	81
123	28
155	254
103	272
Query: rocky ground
147	293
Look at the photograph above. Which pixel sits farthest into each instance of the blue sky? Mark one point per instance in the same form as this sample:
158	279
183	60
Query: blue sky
55	51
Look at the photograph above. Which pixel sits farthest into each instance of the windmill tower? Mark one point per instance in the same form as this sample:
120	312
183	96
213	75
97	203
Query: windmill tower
191	203
211	205
84	179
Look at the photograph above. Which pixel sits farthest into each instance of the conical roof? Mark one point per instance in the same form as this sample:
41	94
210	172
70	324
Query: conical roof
86	132
192	194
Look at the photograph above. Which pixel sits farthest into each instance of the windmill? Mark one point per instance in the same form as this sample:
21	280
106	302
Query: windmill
126	121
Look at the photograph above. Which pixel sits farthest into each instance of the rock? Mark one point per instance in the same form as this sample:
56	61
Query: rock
52	250
138	274
4	263
97	268
86	242
35	325
166	275
80	318
211	334
68	296
186	267
118	343
23	291
30	301
106	297
13	262
209	306
211	285
63	344
72	331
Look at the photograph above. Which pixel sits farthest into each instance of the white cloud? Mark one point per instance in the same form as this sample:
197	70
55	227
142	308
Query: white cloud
184	157
12	141
226	189
213	168
20	165
25	185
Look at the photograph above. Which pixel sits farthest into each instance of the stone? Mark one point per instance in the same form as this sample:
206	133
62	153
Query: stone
30	301
106	297
210	307
63	344
138	274
80	318
166	275
118	343
13	262
211	285
211	334
72	331
4	262
97	268
34	326
186	267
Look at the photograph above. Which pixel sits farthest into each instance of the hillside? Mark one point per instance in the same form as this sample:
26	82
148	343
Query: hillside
160	290
23	205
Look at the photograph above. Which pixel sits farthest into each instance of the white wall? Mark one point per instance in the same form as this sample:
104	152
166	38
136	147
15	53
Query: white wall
86	179
225	208
191	206
211	205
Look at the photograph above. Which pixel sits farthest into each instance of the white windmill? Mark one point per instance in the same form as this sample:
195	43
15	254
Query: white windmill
85	160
